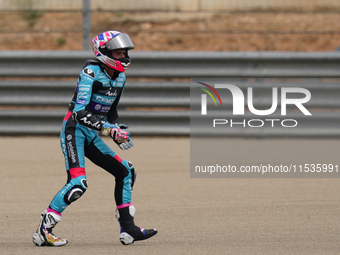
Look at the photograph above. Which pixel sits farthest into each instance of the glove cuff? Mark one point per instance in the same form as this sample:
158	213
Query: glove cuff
107	129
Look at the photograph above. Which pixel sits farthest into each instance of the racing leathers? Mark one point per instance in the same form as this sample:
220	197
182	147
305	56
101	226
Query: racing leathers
93	107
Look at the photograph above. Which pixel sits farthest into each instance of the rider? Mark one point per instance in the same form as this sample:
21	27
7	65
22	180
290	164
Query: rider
93	111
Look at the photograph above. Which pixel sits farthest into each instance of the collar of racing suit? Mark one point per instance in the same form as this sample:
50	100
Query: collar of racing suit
115	73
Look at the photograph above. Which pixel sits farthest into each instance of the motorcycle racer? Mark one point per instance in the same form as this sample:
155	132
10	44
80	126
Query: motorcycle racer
91	113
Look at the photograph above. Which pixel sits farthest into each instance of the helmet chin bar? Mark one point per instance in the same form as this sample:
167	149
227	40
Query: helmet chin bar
119	65
125	62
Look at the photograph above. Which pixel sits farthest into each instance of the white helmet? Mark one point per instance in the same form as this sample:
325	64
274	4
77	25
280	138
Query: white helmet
104	43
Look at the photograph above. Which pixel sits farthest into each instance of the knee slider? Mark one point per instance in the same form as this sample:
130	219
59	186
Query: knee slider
74	194
77	190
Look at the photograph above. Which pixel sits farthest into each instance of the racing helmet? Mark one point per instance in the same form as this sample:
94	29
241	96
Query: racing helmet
104	43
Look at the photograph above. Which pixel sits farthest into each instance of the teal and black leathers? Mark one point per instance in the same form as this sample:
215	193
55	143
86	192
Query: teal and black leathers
94	104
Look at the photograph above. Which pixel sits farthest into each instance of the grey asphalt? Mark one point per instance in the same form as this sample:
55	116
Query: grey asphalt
193	216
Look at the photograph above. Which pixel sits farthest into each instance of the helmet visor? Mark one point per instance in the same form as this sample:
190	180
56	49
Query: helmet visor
121	41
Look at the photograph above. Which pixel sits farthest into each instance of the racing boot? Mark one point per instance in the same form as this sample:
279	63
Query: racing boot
129	232
44	235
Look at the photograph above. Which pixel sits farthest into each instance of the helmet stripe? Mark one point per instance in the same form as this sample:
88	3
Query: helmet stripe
108	35
114	33
101	37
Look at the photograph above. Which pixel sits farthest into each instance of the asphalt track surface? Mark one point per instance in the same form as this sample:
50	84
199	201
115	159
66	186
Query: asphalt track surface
193	216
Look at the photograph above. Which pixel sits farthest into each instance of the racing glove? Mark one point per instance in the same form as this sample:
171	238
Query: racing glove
127	144
120	137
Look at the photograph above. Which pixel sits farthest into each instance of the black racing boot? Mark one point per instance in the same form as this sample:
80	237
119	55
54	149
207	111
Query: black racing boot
129	232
